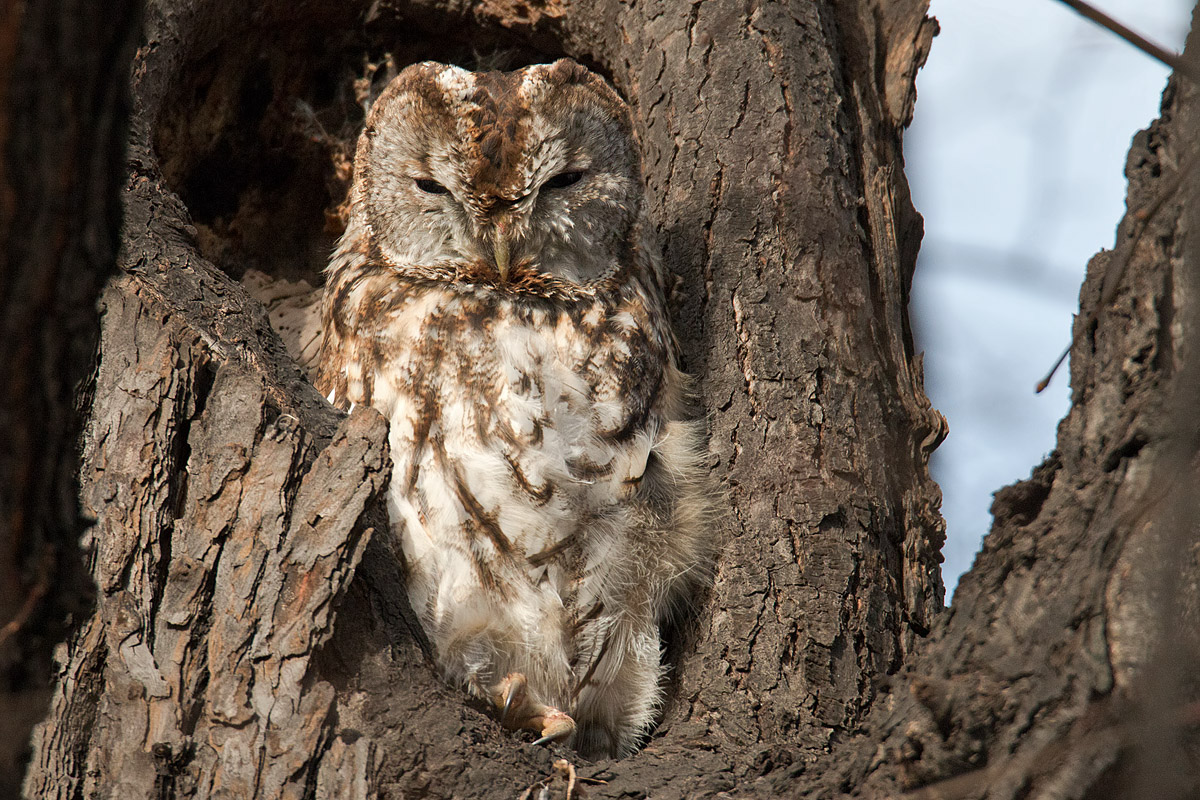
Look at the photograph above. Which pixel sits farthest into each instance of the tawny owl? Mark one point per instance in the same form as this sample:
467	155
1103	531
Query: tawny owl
498	297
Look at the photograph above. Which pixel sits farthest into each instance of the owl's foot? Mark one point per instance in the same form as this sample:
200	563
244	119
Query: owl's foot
519	711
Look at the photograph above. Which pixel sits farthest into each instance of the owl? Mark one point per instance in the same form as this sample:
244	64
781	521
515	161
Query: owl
498	297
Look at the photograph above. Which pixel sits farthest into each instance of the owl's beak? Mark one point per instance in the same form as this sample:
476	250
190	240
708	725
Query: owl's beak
500	250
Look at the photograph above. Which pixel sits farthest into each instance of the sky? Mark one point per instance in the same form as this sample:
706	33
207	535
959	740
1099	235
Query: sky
1016	157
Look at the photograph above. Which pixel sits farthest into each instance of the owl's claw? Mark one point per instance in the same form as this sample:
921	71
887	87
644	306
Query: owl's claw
556	725
510	693
508	701
519	711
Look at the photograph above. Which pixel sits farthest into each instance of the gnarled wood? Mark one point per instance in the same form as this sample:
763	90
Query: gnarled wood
224	538
771	136
771	139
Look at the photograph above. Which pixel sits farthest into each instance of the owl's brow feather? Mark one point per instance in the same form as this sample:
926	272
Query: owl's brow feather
498	135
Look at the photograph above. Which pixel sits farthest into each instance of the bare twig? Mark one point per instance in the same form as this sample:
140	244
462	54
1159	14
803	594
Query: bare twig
39	590
1044	382
1124	252
572	783
1171	59
567	770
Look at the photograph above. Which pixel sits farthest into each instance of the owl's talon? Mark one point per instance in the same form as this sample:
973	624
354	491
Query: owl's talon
518	711
513	690
556	725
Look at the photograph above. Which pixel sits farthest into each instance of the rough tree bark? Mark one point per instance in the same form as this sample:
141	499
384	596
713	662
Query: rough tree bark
1066	667
250	638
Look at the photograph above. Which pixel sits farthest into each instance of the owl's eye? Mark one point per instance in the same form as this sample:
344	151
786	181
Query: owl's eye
562	179
430	186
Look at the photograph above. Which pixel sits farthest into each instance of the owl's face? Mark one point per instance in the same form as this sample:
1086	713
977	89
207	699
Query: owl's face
500	174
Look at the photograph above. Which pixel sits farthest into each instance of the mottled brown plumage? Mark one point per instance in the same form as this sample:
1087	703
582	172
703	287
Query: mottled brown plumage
498	297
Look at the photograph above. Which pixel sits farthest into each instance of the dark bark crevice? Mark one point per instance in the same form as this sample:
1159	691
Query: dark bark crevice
63	112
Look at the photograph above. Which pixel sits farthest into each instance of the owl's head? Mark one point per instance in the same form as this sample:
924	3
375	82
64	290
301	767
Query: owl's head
498	173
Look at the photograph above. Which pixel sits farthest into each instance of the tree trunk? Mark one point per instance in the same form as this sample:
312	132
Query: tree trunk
251	636
1066	667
